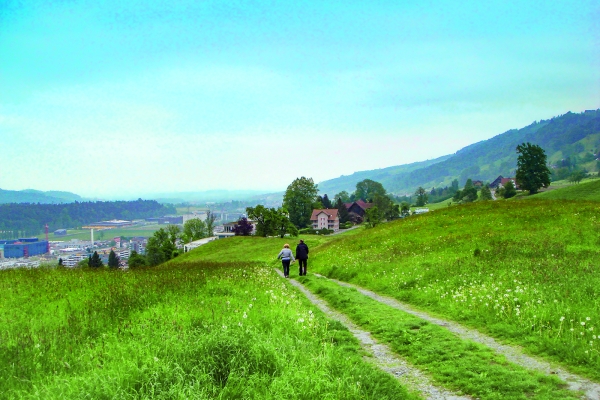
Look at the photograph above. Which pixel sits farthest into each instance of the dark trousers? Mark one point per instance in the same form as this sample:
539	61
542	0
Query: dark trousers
286	267
302	266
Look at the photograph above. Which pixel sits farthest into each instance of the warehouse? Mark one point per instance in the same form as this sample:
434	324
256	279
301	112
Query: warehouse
25	248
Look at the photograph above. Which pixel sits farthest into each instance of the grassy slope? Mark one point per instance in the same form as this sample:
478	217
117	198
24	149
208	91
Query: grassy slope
524	271
586	190
192	330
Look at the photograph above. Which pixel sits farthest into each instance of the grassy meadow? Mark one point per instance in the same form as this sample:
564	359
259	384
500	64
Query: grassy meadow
191	330
523	271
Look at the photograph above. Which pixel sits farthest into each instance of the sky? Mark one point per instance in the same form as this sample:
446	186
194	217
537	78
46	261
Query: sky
126	98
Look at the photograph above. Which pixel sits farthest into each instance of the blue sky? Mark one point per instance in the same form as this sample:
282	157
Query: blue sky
130	98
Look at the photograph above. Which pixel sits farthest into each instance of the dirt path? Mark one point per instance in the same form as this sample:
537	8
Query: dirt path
512	353
382	356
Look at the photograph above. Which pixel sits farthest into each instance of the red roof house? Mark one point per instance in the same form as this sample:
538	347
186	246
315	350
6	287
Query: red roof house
325	219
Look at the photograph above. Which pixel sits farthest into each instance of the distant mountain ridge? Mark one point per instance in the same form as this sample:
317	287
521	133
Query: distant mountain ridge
571	134
37	196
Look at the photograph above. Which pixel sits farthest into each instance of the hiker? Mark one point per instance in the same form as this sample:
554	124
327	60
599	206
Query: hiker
302	256
286	258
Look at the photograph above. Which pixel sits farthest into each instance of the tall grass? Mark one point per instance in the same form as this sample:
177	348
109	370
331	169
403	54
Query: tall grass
191	330
525	271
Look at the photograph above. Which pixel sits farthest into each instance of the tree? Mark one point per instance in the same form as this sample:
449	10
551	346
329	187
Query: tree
194	229
160	248
210	222
367	189
405	209
282	223
577	176
509	190
298	201
372	217
60	262
422	196
343	195
486	193
343	213
532	171
326	202
387	209
174	233
264	220
469	192
243	227
136	260
113	260
95	261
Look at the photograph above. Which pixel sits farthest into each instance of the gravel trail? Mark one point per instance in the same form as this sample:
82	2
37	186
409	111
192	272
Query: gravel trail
512	353
382	356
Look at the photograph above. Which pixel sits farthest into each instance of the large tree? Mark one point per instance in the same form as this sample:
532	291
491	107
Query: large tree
282	223
160	247
298	200
343	195
194	229
210	222
422	196
264	219
94	261
532	171
367	189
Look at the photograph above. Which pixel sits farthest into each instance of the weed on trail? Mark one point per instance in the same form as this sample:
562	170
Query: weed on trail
188	330
457	364
526	271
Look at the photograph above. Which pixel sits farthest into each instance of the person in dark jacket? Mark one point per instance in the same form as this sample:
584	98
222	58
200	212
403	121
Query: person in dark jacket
302	256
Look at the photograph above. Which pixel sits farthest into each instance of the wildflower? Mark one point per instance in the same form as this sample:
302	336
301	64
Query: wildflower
224	327
562	319
155	359
582	323
587	318
245	315
301	320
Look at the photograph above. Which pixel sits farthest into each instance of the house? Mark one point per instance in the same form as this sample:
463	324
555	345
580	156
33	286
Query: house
325	219
358	207
504	181
478	184
496	182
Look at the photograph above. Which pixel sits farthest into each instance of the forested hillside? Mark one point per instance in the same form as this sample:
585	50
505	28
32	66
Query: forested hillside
574	137
37	196
30	219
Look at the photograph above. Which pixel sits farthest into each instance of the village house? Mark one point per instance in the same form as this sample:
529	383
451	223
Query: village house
500	181
325	219
358	207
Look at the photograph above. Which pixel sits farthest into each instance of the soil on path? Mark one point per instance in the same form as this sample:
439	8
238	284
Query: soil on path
513	354
382	356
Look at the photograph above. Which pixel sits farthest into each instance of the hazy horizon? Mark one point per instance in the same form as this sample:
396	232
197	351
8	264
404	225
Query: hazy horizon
154	97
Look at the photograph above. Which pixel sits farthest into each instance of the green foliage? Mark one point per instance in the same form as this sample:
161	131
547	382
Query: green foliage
160	246
136	260
486	193
113	260
509	190
210	222
343	196
282	224
372	216
95	261
367	189
194	229
343	213
405	209
298	200
193	330
422	196
271	221
532	171
60	262
577	176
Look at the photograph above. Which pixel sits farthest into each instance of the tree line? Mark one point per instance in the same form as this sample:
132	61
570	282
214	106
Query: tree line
26	219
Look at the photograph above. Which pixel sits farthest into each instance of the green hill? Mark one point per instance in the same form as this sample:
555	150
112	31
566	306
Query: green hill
36	196
515	269
586	190
568	135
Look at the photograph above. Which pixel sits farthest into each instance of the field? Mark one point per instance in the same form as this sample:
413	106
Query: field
588	189
106	234
197	330
217	322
